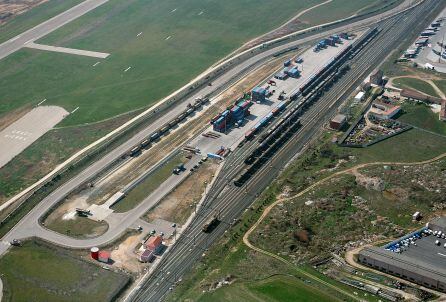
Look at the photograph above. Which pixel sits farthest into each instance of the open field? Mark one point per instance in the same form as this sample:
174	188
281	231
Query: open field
276	288
416	84
339	9
20	23
200	34
77	227
420	115
39	272
441	84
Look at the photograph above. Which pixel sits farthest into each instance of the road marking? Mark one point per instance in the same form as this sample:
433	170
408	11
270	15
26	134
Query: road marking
29	41
97	63
15	38
168	38
41	102
75	110
128	68
441	254
174	10
200	13
139	34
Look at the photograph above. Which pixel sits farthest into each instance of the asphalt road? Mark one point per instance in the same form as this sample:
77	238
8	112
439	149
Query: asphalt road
29	225
232	201
31	35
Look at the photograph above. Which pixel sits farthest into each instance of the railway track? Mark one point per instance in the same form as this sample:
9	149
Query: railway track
231	201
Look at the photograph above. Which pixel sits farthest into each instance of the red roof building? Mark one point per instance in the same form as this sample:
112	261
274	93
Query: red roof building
104	256
383	110
154	242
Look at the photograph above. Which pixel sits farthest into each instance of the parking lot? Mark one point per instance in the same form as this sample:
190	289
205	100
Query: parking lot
427	55
425	249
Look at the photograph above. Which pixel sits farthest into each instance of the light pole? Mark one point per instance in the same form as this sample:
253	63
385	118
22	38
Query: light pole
174	225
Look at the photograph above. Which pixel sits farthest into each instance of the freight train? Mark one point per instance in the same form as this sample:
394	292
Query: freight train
191	108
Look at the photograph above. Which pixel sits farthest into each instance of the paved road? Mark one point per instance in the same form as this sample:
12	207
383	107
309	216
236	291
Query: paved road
29	226
232	201
14	44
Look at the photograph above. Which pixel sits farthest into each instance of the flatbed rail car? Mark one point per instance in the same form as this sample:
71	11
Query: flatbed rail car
211	224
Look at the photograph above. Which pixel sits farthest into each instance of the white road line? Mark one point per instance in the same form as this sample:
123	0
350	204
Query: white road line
29	41
441	254
97	63
15	38
41	102
174	10
200	13
168	38
128	68
75	110
139	34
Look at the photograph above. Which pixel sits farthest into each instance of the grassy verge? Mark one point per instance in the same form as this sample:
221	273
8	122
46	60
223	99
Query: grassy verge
78	227
34	17
40	272
416	84
148	185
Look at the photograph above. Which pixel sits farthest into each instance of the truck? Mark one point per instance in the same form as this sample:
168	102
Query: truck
178	169
211	224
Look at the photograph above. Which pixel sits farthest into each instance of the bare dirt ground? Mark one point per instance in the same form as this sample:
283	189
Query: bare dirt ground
178	205
11	8
124	255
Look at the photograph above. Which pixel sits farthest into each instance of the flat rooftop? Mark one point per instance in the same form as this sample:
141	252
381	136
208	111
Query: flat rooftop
423	255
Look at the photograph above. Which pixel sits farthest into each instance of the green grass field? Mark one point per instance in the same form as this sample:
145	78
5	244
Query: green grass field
417	84
80	227
277	288
201	32
339	9
33	17
422	116
42	273
441	84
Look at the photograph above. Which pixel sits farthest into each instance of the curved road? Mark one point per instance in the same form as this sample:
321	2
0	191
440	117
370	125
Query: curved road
29	225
